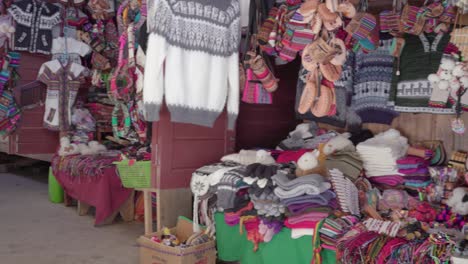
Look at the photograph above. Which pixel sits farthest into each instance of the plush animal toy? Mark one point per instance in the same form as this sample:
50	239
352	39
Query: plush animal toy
451	75
97	147
459	201
66	148
312	162
337	143
93	148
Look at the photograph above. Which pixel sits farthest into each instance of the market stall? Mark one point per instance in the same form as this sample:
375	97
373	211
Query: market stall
89	58
381	195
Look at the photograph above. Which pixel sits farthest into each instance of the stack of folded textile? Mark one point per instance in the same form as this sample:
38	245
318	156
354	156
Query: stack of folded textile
348	162
380	153
267	203
415	171
308	200
258	178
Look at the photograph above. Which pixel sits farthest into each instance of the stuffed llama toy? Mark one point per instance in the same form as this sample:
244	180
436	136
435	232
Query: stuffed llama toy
459	201
312	162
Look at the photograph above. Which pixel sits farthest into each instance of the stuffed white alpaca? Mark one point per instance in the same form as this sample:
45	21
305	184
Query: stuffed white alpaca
66	148
337	143
85	149
308	161
96	147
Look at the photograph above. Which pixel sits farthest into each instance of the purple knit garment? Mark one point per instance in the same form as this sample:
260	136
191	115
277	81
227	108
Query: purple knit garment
276	225
423	170
296	209
321	199
388	180
231	220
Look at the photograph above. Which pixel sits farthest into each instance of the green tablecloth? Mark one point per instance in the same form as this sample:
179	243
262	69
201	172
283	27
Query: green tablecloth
281	249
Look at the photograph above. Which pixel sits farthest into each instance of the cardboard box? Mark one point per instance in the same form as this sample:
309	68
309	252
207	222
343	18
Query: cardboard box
156	253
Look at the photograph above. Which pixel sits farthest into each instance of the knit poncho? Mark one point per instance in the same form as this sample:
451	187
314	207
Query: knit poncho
192	60
372	83
420	57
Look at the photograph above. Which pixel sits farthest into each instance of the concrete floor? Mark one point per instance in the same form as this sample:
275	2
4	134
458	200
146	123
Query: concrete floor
33	230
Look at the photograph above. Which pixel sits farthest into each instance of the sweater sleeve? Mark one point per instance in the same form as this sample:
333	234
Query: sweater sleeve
233	90
153	89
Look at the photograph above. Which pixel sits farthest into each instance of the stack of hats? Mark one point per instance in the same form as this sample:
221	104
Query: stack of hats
380	153
227	188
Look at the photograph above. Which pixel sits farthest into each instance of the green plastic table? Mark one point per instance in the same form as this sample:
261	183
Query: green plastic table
232	246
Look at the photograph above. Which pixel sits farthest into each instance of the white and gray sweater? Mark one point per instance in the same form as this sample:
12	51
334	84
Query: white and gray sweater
193	60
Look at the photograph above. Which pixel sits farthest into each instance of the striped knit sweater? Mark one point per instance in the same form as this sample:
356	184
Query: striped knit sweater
193	60
372	82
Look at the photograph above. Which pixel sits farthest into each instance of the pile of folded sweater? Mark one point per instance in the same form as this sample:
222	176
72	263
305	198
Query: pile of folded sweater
415	171
348	162
380	153
308	200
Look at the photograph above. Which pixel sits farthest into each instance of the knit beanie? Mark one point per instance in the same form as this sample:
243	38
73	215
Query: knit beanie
228	187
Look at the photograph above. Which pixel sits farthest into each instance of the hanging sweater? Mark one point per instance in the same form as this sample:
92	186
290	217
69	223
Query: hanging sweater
420	57
372	82
193	60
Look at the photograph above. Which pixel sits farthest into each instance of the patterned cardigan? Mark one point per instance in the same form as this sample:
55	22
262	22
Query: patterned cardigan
34	23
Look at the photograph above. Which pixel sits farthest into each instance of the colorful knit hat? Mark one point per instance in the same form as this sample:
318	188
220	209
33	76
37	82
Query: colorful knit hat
267	26
4	78
449	14
361	26
389	21
253	92
13	59
363	29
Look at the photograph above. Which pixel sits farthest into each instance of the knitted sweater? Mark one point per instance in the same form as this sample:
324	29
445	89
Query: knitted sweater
192	60
420	57
372	82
